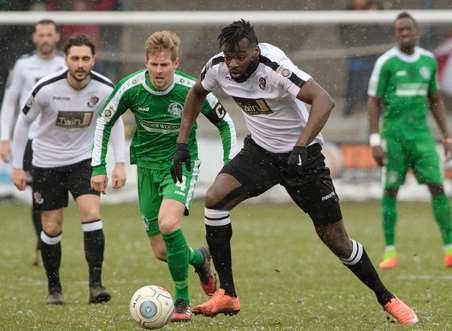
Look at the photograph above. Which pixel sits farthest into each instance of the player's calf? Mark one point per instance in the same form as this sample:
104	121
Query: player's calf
207	277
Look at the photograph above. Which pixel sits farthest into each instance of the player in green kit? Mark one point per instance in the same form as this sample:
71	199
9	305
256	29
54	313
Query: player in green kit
404	80
156	97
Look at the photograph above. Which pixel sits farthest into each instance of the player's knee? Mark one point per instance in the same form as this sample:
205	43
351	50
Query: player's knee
52	222
90	214
167	224
391	192
51	228
436	189
212	198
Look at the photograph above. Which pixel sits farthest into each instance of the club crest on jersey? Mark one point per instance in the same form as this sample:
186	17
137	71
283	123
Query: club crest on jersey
108	112
175	109
29	102
93	101
262	83
38	198
283	71
425	72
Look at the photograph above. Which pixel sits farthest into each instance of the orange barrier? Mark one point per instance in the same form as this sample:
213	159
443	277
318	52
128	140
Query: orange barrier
357	156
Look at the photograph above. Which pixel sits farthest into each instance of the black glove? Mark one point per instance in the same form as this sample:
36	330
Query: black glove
182	155
298	158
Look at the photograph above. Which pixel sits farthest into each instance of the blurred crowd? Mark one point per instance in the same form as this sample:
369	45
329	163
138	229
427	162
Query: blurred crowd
106	39
356	39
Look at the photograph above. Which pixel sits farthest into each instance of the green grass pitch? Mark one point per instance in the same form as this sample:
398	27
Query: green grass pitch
285	277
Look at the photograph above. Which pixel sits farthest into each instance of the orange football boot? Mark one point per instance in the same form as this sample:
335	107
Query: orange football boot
390	263
400	311
182	312
220	303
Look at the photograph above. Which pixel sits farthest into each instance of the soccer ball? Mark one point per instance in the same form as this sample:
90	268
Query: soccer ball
151	306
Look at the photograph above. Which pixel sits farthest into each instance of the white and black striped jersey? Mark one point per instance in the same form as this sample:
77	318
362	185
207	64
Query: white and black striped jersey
66	122
27	71
273	114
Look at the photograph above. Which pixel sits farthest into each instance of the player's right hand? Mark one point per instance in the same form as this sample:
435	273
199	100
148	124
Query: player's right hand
379	155
298	158
19	178
182	155
99	183
5	146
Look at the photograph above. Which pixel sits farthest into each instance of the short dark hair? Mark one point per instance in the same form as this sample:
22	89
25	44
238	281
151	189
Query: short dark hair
231	34
403	15
46	21
79	40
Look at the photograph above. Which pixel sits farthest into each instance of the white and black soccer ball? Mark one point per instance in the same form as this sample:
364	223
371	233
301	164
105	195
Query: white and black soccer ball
151	306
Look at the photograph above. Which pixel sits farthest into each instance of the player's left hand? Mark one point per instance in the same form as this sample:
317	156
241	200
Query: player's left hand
448	148
118	176
19	178
298	158
182	155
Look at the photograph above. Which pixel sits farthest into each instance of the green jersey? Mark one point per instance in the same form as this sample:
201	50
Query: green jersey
404	82
157	116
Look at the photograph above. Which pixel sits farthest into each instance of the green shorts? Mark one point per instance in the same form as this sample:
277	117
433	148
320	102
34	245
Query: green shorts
155	185
418	154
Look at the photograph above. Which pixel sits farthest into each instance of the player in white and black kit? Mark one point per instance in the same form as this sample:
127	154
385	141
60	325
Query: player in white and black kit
284	148
28	69
66	105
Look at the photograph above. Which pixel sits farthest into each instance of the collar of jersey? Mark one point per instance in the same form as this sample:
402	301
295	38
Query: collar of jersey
147	84
406	57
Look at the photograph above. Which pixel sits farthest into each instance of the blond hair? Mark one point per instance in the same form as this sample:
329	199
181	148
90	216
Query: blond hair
161	41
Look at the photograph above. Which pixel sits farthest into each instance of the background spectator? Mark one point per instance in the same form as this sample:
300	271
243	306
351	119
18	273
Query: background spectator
359	67
444	56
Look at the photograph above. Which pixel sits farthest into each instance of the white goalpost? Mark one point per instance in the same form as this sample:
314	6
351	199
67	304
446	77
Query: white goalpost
284	17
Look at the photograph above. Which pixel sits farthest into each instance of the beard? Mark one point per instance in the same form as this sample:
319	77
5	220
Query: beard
248	72
75	77
46	49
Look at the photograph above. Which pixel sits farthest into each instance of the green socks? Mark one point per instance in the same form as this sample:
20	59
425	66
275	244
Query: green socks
389	217
196	258
441	211
178	257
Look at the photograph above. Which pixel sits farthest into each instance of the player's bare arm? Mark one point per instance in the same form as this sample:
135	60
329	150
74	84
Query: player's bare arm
373	106
5	148
18	175
439	113
321	106
192	108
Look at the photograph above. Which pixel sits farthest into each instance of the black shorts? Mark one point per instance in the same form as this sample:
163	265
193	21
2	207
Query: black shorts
312	190
28	156
51	185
